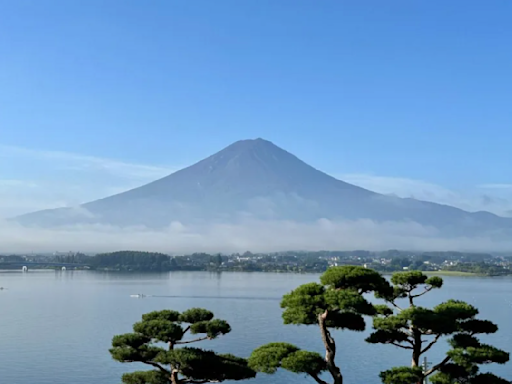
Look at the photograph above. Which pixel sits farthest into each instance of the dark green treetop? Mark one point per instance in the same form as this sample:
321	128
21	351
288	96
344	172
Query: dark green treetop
338	303
268	358
177	365
418	329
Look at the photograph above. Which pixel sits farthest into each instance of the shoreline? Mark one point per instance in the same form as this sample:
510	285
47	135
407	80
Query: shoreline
454	273
385	273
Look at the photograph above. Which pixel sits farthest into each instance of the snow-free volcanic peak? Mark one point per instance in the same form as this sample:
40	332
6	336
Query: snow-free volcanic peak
256	179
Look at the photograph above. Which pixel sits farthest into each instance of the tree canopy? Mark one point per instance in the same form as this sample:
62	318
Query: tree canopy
178	365
337	302
419	329
132	260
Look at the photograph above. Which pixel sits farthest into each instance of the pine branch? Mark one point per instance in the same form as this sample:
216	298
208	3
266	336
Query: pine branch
395	305
436	367
153	364
400	346
438	336
428	289
156	365
317	379
193	341
411	298
409	335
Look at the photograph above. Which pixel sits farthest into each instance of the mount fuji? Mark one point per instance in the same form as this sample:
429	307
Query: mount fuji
258	180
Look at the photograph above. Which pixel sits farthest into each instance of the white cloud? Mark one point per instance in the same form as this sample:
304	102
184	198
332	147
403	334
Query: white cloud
39	179
17	183
250	235
73	161
496	186
496	199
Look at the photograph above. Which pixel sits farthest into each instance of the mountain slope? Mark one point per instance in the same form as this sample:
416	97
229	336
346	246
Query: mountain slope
256	178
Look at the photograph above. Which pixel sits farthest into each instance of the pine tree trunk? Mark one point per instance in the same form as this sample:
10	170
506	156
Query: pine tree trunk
416	352
174	377
330	350
174	372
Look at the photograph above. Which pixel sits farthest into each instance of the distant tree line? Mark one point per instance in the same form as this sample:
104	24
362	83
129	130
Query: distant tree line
159	262
132	261
480	268
290	261
11	259
73	258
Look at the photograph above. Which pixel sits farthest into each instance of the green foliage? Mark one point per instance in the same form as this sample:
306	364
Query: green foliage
195	315
404	283
345	320
463	340
284	261
231	367
478	326
349	300
480	268
148	377
390	323
456	310
488	378
418	329
402	375
382	336
434	281
340	295
131	261
478	354
455	374
268	358
382	309
193	364
304	304
428	321
166	314
132	340
212	328
159	330
338	303
199	364
132	347
356	278
304	362
409	279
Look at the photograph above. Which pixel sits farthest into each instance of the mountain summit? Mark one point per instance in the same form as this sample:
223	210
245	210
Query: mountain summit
257	179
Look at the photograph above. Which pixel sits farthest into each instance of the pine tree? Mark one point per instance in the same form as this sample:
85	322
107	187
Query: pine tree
418	329
178	365
338	303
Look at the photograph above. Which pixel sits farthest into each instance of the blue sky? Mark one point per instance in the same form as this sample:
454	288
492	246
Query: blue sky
405	97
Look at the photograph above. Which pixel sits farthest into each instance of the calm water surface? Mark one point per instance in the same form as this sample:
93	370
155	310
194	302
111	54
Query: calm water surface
56	327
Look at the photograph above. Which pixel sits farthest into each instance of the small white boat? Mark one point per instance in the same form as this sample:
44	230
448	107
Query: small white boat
138	295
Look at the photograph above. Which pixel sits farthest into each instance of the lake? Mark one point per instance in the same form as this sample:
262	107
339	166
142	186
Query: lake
56	327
